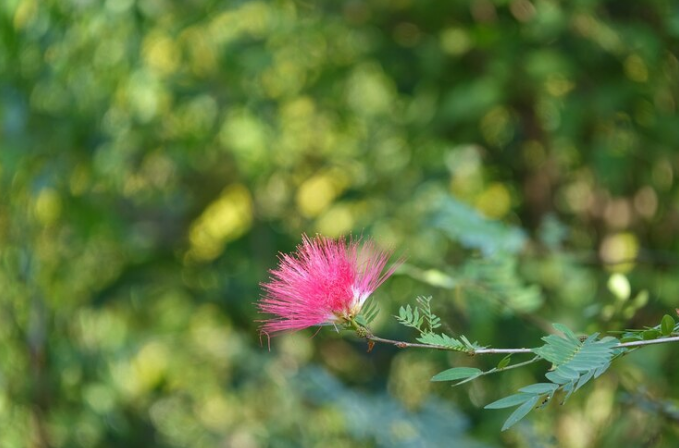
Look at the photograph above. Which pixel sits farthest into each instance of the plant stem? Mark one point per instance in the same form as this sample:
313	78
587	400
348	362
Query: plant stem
402	344
480	351
496	370
648	342
366	333
497	351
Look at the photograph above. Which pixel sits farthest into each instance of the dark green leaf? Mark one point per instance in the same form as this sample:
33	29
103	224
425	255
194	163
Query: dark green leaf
504	362
650	334
667	325
456	373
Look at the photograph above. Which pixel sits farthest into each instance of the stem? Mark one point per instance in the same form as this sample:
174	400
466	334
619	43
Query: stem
496	351
365	333
649	342
402	344
480	351
496	370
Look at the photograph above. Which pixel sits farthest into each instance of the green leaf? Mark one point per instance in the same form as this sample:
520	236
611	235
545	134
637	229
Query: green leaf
442	340
368	313
667	325
576	362
566	331
579	356
433	321
361	320
650	334
410	317
569	389
562	375
540	388
456	373
584	379
558	350
510	401
402	313
600	370
504	362
468	344
520	412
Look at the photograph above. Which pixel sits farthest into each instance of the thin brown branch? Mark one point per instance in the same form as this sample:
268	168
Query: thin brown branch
403	344
365	333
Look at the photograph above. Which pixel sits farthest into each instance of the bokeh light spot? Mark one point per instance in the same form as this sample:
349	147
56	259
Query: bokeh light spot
495	201
317	193
635	68
225	219
455	41
48	206
619	251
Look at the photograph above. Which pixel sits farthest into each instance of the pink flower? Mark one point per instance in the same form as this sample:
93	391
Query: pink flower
324	282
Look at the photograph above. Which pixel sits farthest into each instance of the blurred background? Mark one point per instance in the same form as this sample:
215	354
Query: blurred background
155	156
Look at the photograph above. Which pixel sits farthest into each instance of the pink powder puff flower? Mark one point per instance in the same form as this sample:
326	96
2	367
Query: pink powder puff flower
324	282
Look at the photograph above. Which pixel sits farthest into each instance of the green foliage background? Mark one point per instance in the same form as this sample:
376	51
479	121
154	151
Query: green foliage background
156	155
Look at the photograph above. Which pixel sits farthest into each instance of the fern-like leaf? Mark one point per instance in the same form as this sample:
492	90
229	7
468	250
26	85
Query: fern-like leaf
571	353
432	320
410	317
425	321
575	363
442	340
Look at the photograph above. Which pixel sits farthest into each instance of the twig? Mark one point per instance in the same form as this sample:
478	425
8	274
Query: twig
500	369
648	342
403	344
478	351
367	334
498	351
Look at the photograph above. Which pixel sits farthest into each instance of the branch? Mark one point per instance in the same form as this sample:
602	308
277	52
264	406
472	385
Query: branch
365	333
498	351
480	351
500	369
402	344
648	342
